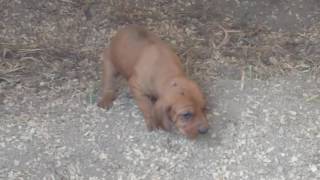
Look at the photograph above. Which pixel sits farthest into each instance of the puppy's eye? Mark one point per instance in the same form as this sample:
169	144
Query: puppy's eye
187	115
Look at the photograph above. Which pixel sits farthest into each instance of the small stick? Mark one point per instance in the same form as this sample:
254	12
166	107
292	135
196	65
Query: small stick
29	58
28	50
186	51
312	98
13	70
250	70
5	79
226	37
242	80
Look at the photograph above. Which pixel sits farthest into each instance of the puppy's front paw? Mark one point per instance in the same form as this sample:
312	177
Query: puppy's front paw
149	126
105	103
152	125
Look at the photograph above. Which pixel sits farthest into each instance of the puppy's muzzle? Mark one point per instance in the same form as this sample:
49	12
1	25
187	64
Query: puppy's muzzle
203	130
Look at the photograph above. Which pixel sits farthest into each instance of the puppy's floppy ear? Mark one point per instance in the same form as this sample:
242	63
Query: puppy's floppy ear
162	114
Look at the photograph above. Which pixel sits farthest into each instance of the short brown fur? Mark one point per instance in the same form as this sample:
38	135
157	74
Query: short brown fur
157	81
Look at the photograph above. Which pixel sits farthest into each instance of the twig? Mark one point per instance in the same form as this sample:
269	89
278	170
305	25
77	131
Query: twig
186	51
250	72
213	45
5	79
4	53
28	50
312	98
67	1
226	37
29	58
243	74
11	68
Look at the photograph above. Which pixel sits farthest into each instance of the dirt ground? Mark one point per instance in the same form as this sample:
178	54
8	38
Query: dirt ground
258	63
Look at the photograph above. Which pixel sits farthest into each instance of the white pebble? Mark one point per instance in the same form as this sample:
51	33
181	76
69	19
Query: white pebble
313	168
103	156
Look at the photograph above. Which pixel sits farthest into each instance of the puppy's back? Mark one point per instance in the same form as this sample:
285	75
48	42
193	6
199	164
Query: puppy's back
127	46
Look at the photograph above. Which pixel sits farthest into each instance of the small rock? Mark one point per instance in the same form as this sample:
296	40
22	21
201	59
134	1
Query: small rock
294	159
281	131
16	162
2	144
42	83
293	113
93	178
313	168
103	156
280	169
270	149
282	119
216	113
213	135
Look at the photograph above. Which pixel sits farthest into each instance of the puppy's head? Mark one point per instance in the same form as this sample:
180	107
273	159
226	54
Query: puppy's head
183	106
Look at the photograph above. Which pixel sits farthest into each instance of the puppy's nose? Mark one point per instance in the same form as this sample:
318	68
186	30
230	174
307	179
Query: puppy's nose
203	130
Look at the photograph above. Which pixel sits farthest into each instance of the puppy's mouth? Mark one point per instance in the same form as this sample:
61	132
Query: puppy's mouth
179	130
184	130
189	135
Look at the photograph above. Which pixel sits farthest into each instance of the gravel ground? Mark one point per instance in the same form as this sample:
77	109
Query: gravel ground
257	61
268	130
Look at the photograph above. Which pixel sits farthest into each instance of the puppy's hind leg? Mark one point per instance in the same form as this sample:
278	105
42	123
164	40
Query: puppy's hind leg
108	76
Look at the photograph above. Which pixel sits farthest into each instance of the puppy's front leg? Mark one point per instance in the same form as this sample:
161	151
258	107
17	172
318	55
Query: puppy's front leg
108	76
144	103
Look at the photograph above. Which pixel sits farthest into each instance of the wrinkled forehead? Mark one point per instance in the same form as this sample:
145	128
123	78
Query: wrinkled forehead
189	102
188	93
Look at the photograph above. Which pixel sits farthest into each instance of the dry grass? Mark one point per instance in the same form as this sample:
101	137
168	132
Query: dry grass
51	39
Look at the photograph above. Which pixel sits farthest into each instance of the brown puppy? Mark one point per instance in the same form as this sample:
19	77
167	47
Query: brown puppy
156	78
